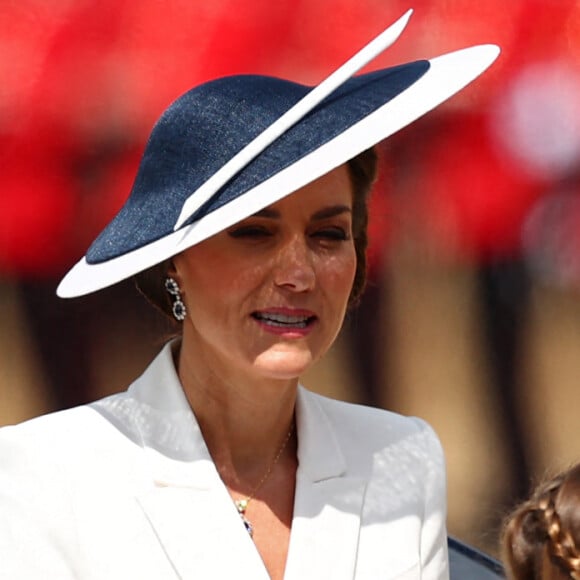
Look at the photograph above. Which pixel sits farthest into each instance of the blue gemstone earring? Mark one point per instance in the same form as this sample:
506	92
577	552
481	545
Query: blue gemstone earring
179	310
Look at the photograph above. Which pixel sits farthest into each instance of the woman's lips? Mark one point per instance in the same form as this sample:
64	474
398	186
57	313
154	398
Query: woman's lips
286	321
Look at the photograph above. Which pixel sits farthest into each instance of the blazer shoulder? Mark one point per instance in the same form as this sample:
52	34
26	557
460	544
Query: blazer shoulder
389	437
56	438
368	420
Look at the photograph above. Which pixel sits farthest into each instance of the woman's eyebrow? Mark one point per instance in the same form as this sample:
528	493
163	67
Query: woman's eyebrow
267	213
324	213
332	211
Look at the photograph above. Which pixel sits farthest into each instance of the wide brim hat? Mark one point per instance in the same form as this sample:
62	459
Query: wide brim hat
233	146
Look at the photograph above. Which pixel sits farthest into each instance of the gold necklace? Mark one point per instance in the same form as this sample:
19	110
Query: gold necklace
242	504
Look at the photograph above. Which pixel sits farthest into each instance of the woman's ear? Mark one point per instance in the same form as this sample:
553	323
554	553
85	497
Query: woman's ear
171	269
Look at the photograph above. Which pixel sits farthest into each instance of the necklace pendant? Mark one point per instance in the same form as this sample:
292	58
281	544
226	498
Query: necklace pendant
247	525
241	506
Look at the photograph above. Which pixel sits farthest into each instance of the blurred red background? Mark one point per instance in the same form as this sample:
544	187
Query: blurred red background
83	81
461	329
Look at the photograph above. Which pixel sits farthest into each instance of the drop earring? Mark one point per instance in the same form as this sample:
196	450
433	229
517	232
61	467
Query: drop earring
178	307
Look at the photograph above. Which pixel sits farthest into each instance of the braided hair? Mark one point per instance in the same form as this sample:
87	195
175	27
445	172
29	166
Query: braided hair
541	537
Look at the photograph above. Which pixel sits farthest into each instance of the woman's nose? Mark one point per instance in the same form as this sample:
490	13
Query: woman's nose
294	267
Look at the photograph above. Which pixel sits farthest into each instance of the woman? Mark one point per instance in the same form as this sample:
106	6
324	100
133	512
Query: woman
247	221
541	538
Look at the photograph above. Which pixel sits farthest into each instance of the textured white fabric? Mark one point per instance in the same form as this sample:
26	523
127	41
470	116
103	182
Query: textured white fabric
125	488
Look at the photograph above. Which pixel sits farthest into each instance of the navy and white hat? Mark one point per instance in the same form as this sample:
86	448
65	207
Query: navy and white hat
230	147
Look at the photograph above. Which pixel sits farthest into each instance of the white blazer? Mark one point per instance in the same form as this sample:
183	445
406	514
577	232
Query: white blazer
125	488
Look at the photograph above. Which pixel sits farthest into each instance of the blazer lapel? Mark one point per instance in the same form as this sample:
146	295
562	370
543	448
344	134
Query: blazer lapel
328	503
187	505
201	537
190	511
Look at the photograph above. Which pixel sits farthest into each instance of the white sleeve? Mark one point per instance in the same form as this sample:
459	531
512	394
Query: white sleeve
32	499
434	555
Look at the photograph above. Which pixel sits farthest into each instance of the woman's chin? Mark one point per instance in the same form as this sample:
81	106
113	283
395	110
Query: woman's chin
283	364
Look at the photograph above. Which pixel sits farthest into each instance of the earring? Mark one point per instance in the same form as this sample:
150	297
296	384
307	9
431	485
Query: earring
179	310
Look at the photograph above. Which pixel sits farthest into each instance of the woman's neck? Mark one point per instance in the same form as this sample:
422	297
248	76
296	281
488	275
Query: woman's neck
243	417
248	425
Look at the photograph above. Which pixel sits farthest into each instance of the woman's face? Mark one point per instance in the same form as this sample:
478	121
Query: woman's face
269	294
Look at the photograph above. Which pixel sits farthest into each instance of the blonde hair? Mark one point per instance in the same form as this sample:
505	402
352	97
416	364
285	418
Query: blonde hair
541	537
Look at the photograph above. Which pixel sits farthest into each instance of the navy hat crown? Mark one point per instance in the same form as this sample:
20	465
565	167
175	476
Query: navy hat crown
204	128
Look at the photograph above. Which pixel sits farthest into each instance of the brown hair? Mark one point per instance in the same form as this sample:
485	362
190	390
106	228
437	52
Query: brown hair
363	172
541	537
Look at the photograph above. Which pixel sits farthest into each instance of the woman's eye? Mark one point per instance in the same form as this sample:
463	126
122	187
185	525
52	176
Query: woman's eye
249	232
334	234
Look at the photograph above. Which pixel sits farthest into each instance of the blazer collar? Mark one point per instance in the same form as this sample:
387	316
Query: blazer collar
187	506
190	509
319	453
170	434
329	498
